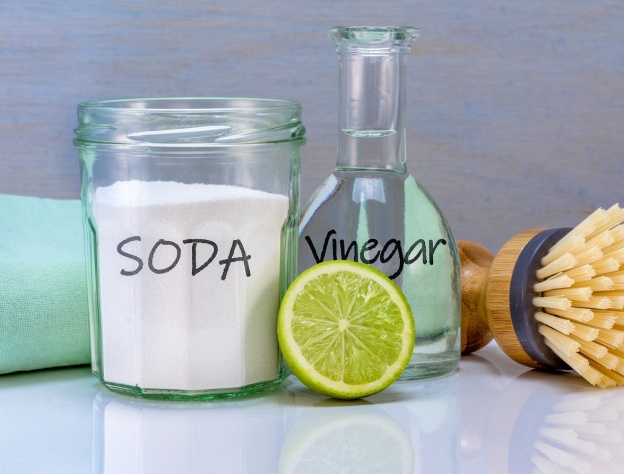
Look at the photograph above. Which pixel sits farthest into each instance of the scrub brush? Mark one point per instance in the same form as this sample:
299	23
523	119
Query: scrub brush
553	299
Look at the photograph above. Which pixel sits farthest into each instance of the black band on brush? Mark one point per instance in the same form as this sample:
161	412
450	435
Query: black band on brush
521	298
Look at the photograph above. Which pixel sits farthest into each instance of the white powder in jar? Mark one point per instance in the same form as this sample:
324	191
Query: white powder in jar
189	284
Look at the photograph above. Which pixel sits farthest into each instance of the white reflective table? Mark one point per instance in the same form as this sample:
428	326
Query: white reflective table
494	416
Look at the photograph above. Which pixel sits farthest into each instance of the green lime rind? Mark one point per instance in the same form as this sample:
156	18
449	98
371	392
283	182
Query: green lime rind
345	329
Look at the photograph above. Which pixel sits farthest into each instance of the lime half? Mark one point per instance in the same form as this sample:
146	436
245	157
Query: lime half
345	329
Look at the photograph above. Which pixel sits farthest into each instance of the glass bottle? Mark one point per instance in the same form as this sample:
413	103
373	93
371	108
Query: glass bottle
370	209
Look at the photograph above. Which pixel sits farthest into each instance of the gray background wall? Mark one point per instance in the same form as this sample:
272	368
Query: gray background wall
515	109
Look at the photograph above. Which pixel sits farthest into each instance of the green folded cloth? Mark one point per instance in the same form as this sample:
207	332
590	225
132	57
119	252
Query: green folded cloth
44	318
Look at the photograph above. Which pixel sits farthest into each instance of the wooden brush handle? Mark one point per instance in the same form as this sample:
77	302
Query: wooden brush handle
486	282
475	261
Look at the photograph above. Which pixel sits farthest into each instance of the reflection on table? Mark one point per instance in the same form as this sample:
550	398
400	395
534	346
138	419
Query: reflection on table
403	430
64	421
492	417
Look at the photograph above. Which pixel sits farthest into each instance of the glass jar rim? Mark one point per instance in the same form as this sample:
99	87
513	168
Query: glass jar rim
190	104
188	122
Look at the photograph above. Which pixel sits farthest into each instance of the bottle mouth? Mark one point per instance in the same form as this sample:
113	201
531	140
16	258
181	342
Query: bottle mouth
188	122
373	39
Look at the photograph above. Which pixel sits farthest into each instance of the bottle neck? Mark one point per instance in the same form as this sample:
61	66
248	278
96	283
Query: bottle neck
372	111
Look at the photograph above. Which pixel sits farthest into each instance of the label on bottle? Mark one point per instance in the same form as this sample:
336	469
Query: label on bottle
371	251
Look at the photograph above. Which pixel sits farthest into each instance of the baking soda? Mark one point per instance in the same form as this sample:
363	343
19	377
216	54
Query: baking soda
189	284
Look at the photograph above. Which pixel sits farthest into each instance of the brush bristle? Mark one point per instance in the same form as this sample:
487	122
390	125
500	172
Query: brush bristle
580	298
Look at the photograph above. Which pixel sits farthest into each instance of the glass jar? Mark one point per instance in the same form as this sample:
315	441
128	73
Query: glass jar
370	209
190	215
